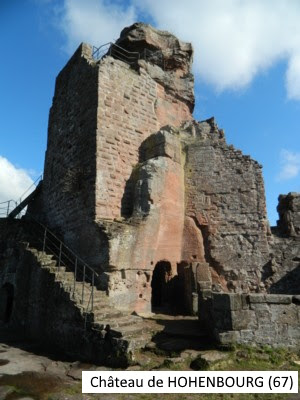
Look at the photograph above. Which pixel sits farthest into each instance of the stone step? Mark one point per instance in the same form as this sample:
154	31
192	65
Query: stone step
107	314
138	341
131	330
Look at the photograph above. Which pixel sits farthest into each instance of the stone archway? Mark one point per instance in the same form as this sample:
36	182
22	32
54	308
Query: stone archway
160	291
6	302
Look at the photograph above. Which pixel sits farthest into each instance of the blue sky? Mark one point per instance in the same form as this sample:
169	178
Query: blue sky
247	74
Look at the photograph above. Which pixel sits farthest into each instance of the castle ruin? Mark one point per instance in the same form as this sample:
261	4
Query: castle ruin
162	213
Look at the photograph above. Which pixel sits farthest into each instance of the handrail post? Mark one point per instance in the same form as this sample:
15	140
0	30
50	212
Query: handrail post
93	282
75	275
8	206
44	240
59	256
83	280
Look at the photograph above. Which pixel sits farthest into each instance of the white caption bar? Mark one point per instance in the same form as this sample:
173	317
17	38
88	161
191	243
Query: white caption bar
189	382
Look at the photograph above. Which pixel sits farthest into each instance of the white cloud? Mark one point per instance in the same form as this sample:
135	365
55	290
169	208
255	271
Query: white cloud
13	181
93	21
234	40
290	165
293	77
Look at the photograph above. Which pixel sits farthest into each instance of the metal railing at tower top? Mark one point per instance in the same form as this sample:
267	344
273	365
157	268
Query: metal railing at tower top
112	49
130	57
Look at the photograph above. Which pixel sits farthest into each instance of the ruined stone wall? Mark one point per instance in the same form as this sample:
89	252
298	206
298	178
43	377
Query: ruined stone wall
225	198
264	319
289	214
282	273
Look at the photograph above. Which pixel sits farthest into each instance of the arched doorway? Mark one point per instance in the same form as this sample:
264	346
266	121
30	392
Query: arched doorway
159	284
6	302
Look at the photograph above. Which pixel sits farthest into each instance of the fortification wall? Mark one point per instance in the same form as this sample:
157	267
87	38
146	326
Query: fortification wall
70	163
282	273
265	319
225	198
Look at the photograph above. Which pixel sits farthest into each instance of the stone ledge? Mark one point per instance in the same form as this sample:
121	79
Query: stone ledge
278	299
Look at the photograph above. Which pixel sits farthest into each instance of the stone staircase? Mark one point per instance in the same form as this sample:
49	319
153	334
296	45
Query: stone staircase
125	331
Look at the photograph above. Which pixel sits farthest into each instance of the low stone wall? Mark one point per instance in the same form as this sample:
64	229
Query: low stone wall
264	319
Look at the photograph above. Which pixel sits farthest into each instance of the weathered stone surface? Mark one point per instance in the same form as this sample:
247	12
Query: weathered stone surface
166	59
269	319
225	193
281	274
231	301
289	214
278	299
257	298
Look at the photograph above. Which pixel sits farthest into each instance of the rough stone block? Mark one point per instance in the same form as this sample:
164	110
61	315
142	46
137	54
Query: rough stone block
229	337
284	314
278	299
247	336
245	301
294	333
256	298
227	301
243	319
222	319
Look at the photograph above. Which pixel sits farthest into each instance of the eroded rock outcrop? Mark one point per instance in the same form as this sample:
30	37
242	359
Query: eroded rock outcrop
167	59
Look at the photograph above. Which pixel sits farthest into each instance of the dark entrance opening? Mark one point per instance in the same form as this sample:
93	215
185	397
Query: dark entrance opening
7	300
160	286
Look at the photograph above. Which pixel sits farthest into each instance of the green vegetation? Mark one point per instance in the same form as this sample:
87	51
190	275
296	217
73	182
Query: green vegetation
235	358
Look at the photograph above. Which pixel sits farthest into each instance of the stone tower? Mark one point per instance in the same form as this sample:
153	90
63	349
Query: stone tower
168	215
155	201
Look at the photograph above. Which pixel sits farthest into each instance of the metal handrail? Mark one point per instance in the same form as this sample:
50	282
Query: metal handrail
63	253
109	47
34	184
112	49
6	207
60	251
130	57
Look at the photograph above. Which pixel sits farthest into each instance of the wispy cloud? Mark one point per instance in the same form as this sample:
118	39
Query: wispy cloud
290	165
234	40
13	181
93	21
